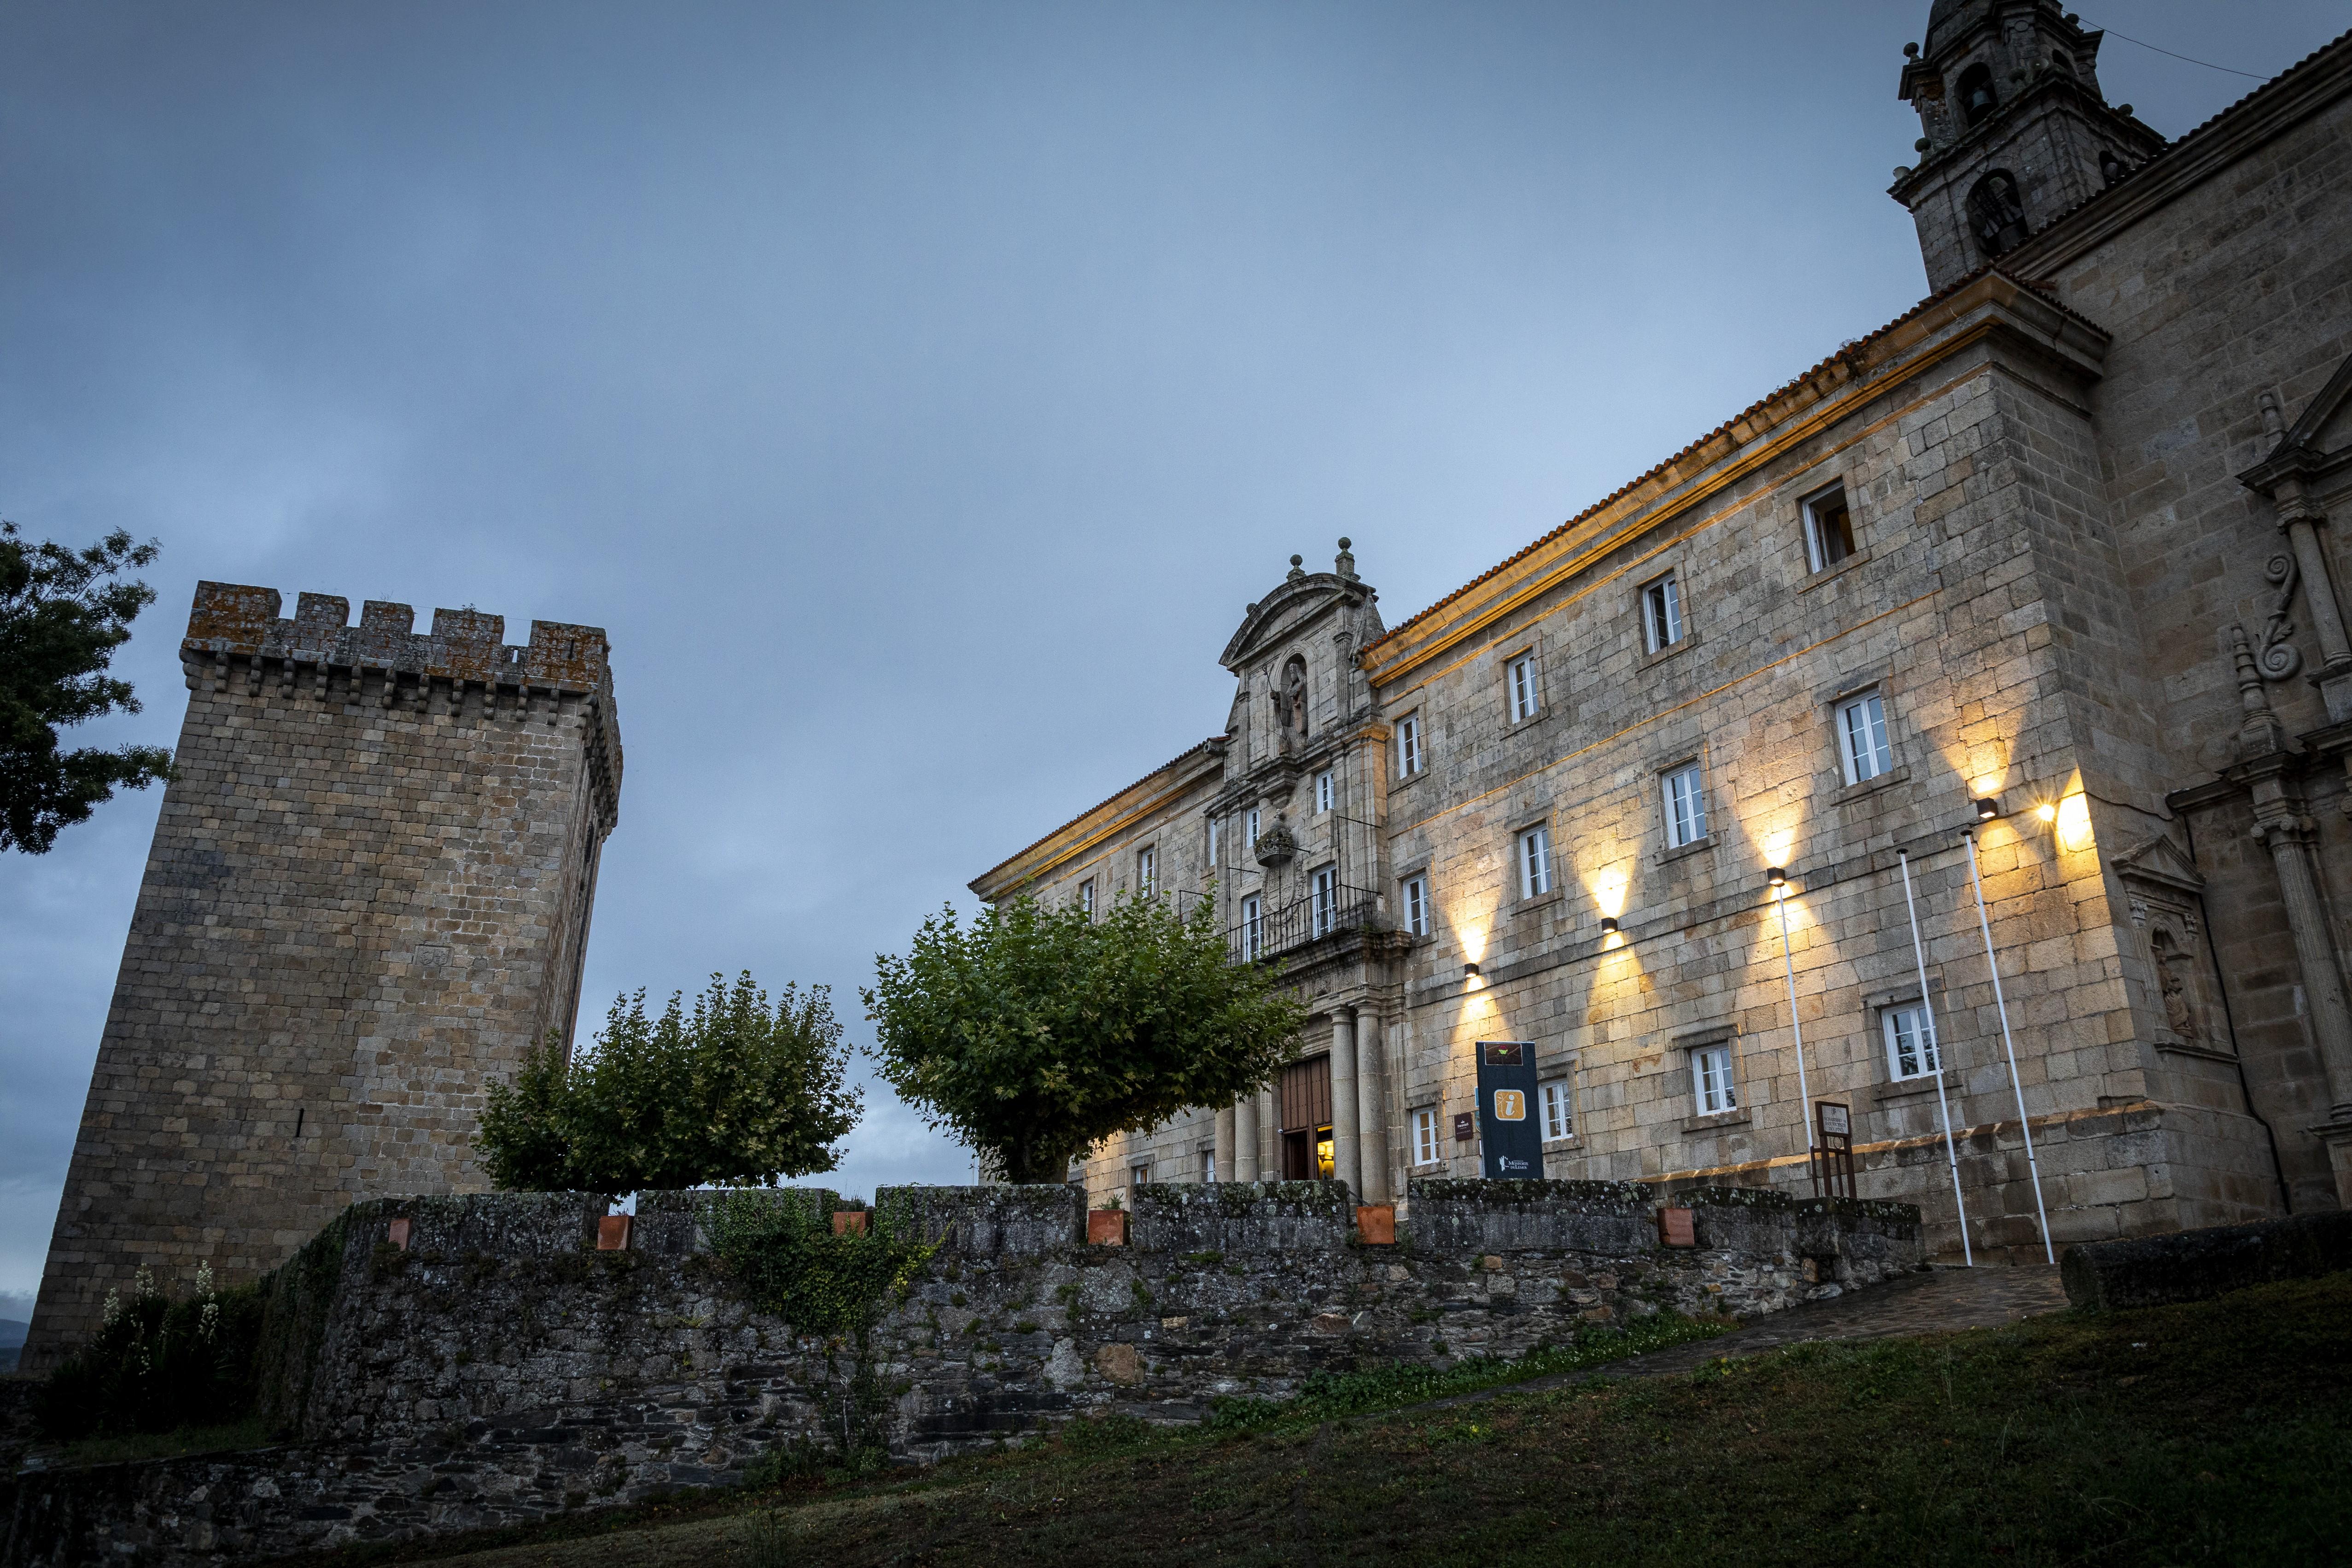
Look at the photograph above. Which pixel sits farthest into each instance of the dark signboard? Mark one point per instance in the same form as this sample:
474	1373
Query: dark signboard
1511	1140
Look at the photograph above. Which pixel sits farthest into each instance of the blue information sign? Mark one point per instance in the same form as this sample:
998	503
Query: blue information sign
1510	1139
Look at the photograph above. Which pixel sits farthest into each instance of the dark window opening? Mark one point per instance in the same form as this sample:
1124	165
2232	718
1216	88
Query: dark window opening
1829	529
300	1112
2058	58
1975	94
1997	212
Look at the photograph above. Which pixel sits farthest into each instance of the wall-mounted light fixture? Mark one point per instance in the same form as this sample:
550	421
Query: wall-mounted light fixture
2047	811
1988	809
1609	925
1468	971
1776	878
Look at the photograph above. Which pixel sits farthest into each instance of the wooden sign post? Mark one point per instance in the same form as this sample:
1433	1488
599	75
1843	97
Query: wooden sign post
1833	1150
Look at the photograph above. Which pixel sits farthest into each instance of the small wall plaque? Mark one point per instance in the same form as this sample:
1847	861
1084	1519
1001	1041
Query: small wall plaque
1466	1126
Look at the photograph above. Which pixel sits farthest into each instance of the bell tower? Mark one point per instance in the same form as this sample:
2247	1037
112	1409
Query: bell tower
2014	130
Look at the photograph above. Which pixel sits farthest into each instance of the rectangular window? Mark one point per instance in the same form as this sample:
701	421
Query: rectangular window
1139	1176
1686	807
1327	900
1249	830
1910	1040
1209	1164
1559	1121
1711	1079
1147	871
1253	926
1214	836
1425	1135
1662	613
1086	898
1861	739
1416	906
1525	696
1829	529
1326	791
1535	863
1409	746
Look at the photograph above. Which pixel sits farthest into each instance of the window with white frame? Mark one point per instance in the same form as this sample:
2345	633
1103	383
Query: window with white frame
1861	738
1253	928
1425	1135
1147	871
1326	791
1686	804
1139	1174
1409	746
1910	1040
1086	898
1214	836
1520	675
1535	861
1662	613
1209	1164
1249	829
1829	529
1711	1079
1415	897
1326	900
1559	1117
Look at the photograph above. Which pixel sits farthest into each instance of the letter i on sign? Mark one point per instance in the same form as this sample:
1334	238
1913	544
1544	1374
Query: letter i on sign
1510	1106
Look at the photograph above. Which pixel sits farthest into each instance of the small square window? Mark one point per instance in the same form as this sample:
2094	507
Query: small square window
1685	806
1325	901
1535	863
1861	739
1425	1135
1711	1079
1662	613
1147	871
1415	897
1086	898
1252	930
1910	1040
1829	529
1326	791
1559	1117
1139	1174
1526	695
1409	746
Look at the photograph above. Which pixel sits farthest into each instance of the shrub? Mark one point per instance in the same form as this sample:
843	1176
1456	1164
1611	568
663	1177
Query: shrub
158	1364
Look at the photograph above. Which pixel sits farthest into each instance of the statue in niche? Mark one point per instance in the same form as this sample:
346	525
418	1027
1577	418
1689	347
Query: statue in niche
1290	704
2180	1006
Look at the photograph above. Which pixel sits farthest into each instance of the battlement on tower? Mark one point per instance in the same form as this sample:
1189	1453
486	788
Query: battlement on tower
232	620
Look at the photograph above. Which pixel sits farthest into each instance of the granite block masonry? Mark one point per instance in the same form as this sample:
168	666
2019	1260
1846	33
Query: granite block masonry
499	1369
369	892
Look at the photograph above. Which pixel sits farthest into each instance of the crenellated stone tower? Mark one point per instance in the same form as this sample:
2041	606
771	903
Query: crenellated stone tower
369	892
2014	130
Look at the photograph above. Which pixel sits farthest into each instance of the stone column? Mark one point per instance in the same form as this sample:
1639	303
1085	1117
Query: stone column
1225	1145
1269	1136
2281	829
1345	1165
1245	1125
1372	1108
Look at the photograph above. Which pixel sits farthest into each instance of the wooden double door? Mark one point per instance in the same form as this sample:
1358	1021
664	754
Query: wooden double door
1304	1100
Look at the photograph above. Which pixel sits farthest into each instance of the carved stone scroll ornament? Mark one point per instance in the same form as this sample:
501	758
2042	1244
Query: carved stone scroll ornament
2278	658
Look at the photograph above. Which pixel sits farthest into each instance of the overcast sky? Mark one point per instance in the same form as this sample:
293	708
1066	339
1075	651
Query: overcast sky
916	394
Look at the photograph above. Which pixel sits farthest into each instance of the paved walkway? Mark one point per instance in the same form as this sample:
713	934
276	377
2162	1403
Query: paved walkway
1942	1301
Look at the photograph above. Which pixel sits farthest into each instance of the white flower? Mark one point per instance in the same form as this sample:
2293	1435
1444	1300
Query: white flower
113	1307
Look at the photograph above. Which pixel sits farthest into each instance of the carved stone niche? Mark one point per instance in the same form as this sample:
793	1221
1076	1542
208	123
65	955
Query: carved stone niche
2176	993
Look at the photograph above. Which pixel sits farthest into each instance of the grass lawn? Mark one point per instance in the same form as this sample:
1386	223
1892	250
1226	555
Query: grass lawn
2220	1432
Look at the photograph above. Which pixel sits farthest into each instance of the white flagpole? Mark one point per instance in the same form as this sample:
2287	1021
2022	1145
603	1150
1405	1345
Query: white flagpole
1935	1054
2034	1166
1780	897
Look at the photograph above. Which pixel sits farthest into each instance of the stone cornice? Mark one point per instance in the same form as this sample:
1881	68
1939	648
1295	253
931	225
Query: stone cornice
1988	305
1140	800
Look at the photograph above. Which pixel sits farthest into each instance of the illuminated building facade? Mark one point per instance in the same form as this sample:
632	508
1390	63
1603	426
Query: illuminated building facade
2057	539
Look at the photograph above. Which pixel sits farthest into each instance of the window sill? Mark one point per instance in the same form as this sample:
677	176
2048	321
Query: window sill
1718	1120
1885	781
1907	1090
1407	780
1567	1145
1668	652
1541	900
1684	851
1831	573
1513	726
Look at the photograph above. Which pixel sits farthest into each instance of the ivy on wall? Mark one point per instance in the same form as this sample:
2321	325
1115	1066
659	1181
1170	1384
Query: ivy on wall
782	1252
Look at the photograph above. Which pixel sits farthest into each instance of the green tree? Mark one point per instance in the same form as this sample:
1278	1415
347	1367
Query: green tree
737	1092
1037	1034
62	615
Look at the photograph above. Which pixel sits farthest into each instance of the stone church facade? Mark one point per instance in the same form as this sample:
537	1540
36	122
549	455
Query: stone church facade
2032	589
369	892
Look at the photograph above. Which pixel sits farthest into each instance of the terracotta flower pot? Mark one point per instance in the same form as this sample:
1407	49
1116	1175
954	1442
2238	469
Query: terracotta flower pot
1376	1224
398	1234
612	1233
1107	1227
849	1222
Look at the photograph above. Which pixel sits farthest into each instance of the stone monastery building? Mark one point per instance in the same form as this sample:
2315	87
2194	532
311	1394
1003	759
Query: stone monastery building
2062	539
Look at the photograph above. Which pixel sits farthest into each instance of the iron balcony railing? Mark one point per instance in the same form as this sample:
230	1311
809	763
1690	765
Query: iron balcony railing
1321	912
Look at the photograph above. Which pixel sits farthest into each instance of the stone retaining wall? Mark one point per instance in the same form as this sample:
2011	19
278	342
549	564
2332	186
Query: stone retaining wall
499	1369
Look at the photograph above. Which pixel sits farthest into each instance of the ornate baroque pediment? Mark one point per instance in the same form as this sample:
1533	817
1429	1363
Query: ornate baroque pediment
2318	445
2158	861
